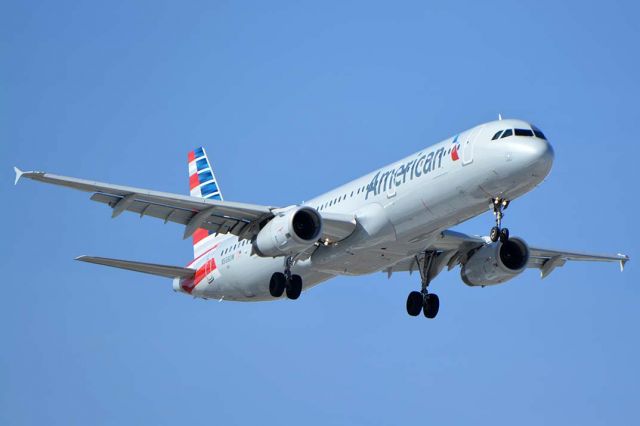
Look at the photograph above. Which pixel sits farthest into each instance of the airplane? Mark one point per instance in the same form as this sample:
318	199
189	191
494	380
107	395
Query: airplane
394	219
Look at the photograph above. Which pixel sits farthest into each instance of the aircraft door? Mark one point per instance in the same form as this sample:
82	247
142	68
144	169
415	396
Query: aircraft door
467	145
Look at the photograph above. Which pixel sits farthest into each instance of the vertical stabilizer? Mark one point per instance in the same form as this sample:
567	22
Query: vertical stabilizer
202	183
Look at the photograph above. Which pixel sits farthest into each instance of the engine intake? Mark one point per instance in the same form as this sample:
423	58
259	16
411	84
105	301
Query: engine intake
495	263
289	232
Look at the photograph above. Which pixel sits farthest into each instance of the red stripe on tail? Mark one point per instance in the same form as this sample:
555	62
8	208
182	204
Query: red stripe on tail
193	181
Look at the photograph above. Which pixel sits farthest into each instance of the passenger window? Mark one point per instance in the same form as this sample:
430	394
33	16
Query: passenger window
497	135
523	132
506	134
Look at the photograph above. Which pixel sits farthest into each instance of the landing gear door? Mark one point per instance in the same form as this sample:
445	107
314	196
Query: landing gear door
467	145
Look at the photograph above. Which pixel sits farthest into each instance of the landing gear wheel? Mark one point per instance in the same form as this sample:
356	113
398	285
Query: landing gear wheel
497	232
494	235
414	303
431	305
277	284
294	287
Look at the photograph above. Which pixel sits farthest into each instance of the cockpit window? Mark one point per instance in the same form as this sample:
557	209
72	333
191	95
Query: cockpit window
523	132
497	135
506	134
538	133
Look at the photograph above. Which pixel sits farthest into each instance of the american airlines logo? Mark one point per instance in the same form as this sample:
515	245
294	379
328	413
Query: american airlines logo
422	165
454	149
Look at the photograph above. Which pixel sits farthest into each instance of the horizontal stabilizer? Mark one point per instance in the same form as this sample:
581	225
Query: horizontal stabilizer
147	268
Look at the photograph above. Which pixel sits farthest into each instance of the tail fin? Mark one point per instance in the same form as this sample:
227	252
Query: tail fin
202	183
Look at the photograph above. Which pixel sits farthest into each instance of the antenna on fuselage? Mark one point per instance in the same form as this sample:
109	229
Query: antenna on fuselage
499	116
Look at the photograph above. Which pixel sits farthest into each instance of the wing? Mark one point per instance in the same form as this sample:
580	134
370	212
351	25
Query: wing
547	260
240	219
453	247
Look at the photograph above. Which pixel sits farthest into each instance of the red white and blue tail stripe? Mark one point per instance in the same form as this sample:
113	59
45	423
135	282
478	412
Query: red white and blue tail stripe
202	183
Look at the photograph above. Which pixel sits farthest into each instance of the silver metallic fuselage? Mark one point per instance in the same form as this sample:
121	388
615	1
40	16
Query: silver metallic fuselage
399	208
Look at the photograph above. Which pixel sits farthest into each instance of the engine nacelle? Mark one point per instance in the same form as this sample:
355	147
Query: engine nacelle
289	232
495	263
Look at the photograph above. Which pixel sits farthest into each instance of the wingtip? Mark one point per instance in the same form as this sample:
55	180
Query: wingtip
623	262
19	174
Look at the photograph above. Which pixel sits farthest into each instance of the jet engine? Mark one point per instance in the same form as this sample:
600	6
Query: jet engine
495	263
289	232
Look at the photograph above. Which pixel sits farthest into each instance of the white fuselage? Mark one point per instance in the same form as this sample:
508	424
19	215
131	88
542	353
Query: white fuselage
399	208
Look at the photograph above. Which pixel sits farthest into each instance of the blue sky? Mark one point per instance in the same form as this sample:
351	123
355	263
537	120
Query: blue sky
292	99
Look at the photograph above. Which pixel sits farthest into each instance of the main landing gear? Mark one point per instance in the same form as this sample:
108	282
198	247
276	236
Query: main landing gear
497	232
286	282
428	303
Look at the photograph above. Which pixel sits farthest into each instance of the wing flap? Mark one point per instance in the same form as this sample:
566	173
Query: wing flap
143	208
147	268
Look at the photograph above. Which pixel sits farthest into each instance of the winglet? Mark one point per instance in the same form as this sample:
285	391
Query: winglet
19	174
623	261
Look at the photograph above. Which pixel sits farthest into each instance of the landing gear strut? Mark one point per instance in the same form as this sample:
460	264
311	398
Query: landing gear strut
497	232
422	300
286	282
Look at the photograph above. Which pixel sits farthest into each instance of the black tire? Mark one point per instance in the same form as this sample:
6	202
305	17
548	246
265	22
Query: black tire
294	287
494	235
414	303
504	235
277	284
431	305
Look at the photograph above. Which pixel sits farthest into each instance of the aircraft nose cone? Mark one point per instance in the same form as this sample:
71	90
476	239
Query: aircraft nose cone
536	154
543	156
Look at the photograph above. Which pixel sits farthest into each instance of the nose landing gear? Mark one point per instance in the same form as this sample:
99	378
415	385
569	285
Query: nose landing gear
497	232
286	282
422	300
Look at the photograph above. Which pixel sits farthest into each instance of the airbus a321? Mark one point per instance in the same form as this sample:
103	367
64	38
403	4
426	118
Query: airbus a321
395	219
